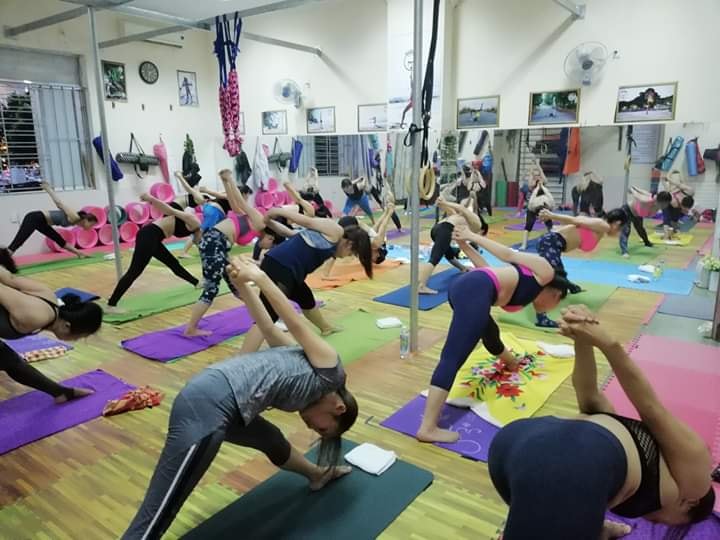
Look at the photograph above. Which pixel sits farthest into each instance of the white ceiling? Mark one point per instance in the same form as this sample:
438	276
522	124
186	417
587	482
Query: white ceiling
199	9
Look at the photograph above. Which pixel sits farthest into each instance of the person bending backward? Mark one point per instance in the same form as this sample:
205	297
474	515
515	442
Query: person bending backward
540	198
587	196
42	221
528	279
681	204
356	196
28	307
641	204
441	234
225	401
149	244
656	468
289	263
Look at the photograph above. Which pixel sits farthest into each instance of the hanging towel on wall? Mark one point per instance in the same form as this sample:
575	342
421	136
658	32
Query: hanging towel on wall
243	171
160	152
261	168
572	159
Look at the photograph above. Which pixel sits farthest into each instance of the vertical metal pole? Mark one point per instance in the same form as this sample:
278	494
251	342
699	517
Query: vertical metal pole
414	185
715	252
100	91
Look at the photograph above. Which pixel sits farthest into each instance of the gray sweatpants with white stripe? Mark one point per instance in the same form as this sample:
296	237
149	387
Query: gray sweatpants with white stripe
203	415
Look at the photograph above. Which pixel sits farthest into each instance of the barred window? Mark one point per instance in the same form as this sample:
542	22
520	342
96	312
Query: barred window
327	160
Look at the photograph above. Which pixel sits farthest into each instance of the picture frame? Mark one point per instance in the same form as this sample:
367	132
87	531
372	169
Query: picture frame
241	123
478	112
187	89
554	107
321	120
372	117
114	81
274	122
646	103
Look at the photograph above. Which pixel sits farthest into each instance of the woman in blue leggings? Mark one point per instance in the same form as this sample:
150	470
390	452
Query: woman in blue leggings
529	279
560	475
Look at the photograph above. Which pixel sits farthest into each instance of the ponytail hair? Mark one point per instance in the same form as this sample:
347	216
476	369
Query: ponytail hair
85	318
361	247
330	448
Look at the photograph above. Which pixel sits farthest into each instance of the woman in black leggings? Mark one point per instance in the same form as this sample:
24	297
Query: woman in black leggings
42	221
560	476
149	244
28	307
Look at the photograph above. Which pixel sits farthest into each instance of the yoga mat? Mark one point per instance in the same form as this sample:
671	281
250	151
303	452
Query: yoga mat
683	226
357	506
37	347
638	253
60	264
538	226
144	305
679	328
681	239
34	415
360	336
476	434
708	529
84	296
440	282
594	296
166	345
392	235
694	307
344	273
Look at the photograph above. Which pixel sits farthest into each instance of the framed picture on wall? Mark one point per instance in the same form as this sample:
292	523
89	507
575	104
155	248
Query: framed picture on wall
321	120
646	103
241	124
274	123
556	107
187	89
114	81
481	112
372	117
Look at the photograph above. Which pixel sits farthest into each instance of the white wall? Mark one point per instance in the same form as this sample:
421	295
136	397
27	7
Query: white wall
514	47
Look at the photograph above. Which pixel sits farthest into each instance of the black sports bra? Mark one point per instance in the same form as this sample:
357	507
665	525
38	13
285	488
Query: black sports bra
647	497
8	331
180	229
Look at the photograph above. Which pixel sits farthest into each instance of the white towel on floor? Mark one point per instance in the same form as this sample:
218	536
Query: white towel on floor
388	322
647	268
370	458
636	278
557	350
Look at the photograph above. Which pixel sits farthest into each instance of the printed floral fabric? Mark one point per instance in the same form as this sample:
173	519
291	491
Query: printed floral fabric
499	395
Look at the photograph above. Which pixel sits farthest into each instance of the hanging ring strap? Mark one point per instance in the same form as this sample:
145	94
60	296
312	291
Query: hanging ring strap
219	46
427	182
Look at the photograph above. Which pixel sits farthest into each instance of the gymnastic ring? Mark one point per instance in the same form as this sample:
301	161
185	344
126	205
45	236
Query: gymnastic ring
427	182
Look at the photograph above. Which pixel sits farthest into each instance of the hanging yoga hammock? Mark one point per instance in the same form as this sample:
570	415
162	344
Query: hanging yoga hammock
226	50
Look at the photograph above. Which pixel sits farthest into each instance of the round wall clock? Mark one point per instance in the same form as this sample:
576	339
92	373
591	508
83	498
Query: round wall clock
149	72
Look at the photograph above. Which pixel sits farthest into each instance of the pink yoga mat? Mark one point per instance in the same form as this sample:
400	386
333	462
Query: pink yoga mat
34	415
708	529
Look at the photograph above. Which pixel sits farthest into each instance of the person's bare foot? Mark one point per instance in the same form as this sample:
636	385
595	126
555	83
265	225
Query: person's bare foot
613	529
330	331
328	475
436	434
424	289
76	393
114	310
196	332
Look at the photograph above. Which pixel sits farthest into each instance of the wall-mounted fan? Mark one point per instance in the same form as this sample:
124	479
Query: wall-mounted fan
288	91
585	62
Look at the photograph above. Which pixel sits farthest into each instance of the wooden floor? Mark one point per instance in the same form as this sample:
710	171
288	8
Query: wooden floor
87	482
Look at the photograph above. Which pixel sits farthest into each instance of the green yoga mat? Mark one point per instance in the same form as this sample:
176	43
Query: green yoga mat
639	253
62	264
360	336
144	305
358	506
594	297
490	220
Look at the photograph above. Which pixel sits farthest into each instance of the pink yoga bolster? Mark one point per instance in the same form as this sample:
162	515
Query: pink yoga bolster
105	235
272	185
162	191
155	213
138	212
86	238
128	232
264	199
99	213
67	234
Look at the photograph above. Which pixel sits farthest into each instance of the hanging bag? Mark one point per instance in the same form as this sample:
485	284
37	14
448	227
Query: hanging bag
699	158
278	157
139	160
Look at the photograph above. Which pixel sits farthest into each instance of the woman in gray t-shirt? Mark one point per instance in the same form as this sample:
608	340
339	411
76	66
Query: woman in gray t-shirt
42	221
225	402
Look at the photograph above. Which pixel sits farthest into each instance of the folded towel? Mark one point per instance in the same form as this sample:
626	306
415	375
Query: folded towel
557	350
459	402
647	268
635	278
370	458
134	400
388	322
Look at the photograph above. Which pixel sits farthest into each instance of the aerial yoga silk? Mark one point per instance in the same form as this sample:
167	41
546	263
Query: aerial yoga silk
226	49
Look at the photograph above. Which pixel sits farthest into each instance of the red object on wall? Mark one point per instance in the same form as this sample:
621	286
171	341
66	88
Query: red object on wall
572	160
512	194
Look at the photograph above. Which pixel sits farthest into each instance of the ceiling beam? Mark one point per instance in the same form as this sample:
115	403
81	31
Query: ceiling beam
13	31
577	10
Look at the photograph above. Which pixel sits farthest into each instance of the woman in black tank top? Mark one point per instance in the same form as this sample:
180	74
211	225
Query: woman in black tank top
657	467
28	307
149	244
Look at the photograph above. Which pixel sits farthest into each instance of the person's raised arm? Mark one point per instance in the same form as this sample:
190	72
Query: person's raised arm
214	194
240	206
295	196
382	225
319	353
282	230
71	214
597	225
189	219
471	217
327	227
477	260
23	284
675	180
641	195
194	193
543	270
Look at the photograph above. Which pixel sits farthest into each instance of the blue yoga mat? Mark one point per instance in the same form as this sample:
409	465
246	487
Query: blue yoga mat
693	307
84	296
440	282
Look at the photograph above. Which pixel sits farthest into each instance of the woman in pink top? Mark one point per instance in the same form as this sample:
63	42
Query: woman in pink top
641	204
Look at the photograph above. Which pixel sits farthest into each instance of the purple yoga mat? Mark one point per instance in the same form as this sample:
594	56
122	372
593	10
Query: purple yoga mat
166	345
475	433
708	529
35	342
392	235
539	225
34	416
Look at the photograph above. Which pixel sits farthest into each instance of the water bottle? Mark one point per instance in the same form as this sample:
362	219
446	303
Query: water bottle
404	342
659	269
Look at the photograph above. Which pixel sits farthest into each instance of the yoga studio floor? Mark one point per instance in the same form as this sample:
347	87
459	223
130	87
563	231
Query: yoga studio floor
87	481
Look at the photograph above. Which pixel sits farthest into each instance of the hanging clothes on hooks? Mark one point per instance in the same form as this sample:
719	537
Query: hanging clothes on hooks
160	152
226	50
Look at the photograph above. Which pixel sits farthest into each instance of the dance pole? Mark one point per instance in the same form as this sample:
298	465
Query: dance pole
99	90
715	252
415	186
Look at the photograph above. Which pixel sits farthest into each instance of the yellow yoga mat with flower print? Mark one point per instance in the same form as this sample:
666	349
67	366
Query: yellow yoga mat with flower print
679	239
501	396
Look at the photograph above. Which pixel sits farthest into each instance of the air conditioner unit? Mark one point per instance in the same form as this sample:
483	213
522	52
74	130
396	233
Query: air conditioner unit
168	40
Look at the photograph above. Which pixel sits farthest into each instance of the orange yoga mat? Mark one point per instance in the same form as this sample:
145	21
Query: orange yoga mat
344	273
